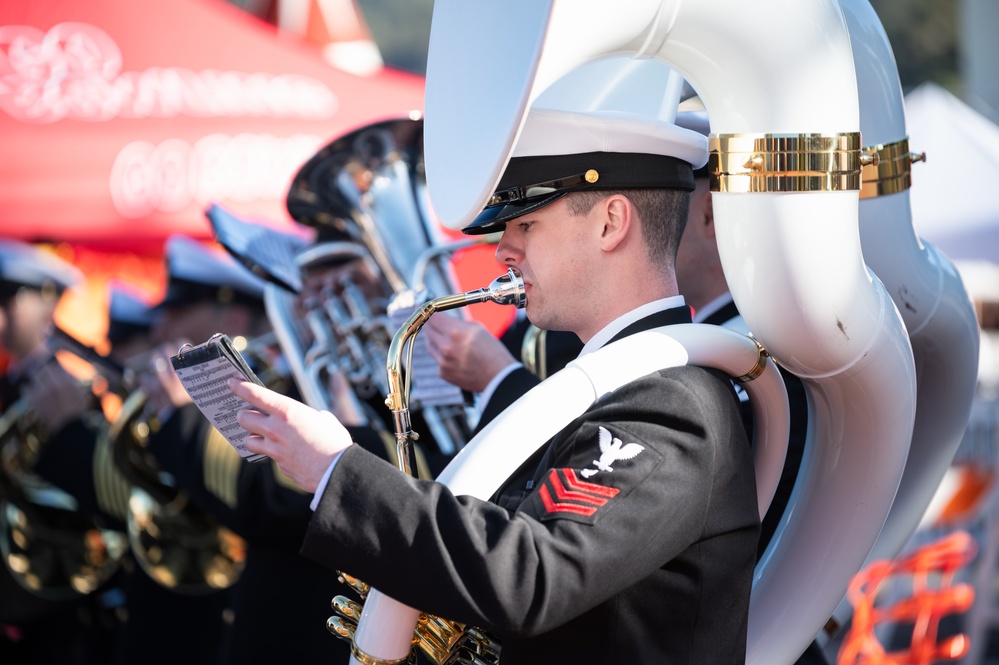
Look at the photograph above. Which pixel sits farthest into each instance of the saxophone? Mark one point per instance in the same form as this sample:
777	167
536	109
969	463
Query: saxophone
441	640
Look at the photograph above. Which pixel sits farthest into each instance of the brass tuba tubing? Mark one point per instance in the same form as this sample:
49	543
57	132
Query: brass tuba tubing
507	289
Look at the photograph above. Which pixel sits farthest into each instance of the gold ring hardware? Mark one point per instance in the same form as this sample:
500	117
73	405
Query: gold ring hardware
761	363
892	174
786	162
366	659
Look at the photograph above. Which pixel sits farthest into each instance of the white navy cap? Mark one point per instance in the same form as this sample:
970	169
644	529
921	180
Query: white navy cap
561	151
196	272
129	313
25	265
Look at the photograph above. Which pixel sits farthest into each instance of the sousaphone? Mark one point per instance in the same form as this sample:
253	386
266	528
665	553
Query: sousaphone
779	85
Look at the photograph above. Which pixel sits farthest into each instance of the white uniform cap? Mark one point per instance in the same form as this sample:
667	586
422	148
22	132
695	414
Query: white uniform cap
561	151
560	132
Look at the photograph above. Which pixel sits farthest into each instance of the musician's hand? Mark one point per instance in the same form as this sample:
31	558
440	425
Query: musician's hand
468	354
161	384
301	440
56	397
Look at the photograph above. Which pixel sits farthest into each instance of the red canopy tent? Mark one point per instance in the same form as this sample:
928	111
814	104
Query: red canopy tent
120	121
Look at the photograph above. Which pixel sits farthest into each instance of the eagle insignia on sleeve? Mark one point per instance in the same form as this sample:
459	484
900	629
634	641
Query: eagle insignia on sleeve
611	450
565	493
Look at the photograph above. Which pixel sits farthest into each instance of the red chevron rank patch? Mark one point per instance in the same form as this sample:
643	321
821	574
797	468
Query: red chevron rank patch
563	492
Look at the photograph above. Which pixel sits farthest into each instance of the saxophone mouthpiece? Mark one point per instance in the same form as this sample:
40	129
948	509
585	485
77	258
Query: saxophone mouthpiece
507	289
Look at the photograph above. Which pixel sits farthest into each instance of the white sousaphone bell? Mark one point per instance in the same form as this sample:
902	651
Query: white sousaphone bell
786	152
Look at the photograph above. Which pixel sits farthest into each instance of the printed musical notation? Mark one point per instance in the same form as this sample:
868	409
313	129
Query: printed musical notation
428	388
205	371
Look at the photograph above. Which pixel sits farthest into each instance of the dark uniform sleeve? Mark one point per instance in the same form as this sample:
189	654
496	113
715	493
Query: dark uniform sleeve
78	460
254	499
657	468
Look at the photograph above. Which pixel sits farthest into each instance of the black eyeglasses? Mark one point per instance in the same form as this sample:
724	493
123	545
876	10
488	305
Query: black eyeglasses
528	192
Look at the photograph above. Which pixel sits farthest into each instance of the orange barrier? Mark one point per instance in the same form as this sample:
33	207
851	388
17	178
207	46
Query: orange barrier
934	595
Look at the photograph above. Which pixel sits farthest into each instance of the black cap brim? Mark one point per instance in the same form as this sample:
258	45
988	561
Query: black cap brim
494	218
613	171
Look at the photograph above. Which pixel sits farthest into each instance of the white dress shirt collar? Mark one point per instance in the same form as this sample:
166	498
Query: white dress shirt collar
607	333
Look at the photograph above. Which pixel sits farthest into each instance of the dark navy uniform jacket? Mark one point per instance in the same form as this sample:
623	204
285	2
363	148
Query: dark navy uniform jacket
282	600
632	540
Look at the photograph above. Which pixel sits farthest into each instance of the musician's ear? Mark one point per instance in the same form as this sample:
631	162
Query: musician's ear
618	217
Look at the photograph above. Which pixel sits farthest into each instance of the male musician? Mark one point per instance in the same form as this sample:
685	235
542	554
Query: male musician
631	536
151	612
32	282
472	358
33	629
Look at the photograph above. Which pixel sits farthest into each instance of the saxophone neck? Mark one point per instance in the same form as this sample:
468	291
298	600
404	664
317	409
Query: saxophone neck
507	289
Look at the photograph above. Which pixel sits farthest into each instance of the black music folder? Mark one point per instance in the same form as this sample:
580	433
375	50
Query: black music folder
266	252
205	371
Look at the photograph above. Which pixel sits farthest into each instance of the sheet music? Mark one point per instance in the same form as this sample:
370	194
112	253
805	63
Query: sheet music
205	371
427	388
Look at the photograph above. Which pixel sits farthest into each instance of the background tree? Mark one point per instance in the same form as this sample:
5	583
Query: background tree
923	35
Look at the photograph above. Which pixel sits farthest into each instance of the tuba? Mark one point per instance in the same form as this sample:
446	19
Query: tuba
365	193
48	546
926	287
786	161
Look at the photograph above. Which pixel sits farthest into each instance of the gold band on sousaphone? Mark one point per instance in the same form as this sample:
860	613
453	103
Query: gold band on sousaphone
48	546
441	640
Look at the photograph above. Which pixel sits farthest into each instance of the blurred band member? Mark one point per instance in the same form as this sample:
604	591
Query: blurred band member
32	281
277	610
